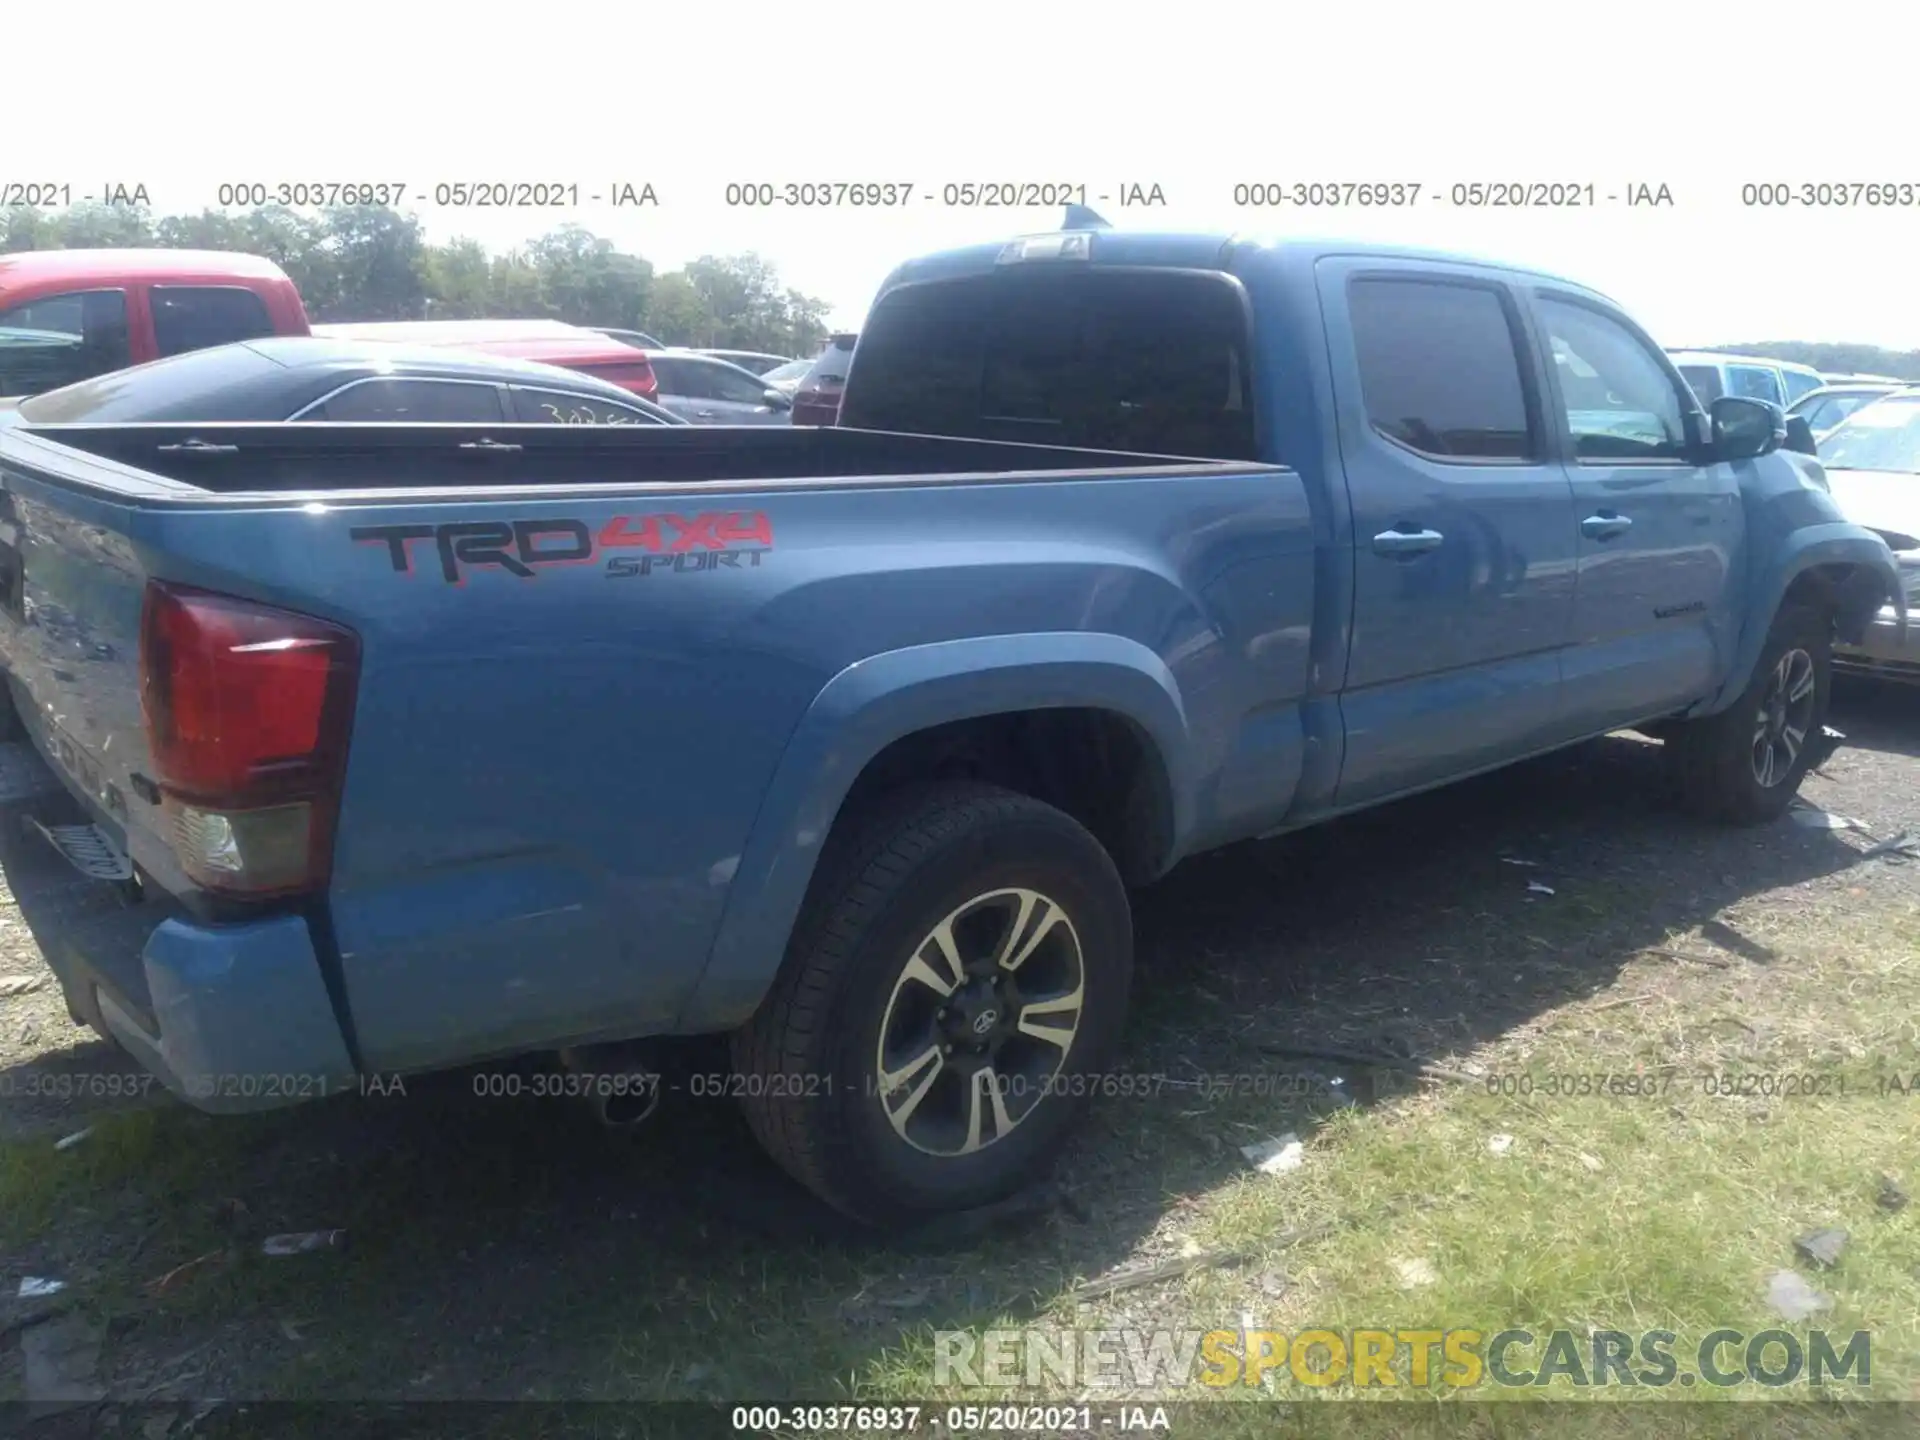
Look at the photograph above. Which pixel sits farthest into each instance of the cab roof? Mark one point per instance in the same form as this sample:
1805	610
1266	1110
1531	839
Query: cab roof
35	266
1215	250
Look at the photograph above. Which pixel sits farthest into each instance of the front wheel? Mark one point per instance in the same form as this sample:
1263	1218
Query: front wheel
956	984
1744	765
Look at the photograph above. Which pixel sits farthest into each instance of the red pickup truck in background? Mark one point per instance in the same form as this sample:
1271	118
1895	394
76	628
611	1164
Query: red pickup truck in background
66	315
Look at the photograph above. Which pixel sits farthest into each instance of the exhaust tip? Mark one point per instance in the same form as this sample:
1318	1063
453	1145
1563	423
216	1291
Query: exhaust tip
629	1106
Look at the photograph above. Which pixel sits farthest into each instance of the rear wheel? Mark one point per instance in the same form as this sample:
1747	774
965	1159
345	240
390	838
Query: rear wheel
958	978
1745	765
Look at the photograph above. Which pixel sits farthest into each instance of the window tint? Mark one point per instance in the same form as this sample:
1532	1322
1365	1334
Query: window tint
831	365
1149	361
1799	384
740	389
414	401
1704	381
1823	414
188	317
56	341
231	383
683	379
1619	402
1754	382
1438	369
554	407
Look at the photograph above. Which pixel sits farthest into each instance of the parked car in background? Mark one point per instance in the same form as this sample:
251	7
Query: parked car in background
754	362
1826	407
66	315
321	378
816	399
1872	462
786	378
1749	377
1865	379
1799	379
639	339
706	391
451	332
552	342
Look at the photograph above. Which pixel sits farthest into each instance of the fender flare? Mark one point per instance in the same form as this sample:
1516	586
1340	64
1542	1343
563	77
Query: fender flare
864	709
1836	543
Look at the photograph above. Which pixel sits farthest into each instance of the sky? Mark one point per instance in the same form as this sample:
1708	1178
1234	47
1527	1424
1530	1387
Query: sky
1196	99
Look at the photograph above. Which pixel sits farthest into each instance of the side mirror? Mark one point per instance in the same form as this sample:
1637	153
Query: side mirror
777	399
1800	436
1744	429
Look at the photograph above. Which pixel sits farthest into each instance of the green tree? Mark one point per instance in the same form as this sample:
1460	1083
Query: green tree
368	262
381	259
585	280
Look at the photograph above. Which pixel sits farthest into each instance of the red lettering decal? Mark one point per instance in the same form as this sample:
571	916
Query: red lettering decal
615	534
747	525
697	531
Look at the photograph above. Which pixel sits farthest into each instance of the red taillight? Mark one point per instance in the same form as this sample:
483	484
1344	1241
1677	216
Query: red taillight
636	379
247	712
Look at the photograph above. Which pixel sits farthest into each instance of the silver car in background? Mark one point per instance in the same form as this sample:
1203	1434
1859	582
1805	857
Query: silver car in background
1833	402
706	391
755	362
1872	464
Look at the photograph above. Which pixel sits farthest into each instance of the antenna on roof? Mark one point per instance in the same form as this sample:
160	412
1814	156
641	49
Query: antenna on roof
1079	217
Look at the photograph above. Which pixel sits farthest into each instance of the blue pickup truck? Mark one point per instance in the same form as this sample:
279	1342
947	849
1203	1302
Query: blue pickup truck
352	750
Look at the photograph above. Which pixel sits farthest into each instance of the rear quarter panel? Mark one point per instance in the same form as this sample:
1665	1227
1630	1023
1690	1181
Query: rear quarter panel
562	783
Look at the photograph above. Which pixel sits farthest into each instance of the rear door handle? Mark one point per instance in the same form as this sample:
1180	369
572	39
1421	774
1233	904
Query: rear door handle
1605	527
1406	542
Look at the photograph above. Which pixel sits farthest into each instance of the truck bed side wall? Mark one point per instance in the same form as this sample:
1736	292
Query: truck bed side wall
561	781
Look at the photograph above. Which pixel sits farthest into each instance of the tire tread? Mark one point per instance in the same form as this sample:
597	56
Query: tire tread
864	864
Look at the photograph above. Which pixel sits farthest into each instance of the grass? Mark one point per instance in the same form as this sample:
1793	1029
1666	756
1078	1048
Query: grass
507	1249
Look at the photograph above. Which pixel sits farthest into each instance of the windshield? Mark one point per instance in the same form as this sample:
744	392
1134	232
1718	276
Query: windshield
1882	436
792	370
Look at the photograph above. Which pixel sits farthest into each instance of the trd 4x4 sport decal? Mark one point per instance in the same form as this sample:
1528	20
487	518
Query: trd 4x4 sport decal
711	540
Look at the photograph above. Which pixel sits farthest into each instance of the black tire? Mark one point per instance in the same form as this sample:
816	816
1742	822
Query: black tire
811	1057
1715	760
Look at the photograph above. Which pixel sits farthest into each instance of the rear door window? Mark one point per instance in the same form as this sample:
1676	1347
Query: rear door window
1151	361
194	317
1754	382
1799	384
1439	370
734	387
556	407
419	402
683	378
60	339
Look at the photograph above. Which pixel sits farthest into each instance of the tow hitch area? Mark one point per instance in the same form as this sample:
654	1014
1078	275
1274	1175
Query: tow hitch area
89	849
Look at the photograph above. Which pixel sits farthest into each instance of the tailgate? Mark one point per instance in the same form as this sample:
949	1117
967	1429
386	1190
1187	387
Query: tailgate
71	584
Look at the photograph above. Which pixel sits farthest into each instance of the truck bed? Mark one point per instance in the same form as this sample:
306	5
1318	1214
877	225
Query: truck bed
162	460
612	687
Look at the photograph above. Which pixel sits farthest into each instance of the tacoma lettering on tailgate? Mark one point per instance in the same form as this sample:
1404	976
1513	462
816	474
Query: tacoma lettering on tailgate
711	540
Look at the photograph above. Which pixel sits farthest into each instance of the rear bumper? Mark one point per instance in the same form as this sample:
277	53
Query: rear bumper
229	1017
1884	649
